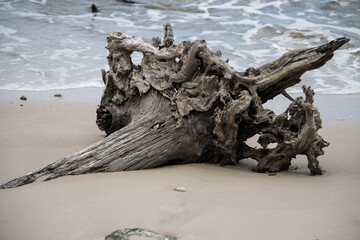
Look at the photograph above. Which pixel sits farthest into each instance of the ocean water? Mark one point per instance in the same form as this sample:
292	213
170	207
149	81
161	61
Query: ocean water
60	44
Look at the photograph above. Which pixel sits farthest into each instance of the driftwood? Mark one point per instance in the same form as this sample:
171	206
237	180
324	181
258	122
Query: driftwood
127	233
184	104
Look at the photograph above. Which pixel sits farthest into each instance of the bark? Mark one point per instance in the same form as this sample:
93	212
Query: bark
184	104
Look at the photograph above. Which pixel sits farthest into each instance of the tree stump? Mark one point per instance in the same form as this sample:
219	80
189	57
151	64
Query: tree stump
184	104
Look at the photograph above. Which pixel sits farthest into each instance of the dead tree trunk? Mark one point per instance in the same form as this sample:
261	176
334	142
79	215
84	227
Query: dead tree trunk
184	104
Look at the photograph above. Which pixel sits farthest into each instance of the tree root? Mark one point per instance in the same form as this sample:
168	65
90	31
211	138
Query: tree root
184	104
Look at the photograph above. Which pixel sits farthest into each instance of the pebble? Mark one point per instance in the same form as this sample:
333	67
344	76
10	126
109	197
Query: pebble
94	9
180	189
57	95
272	174
341	119
23	98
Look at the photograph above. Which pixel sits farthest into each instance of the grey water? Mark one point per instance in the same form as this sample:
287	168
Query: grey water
49	44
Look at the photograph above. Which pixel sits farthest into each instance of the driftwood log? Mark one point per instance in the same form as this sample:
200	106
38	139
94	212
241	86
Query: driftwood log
127	233
184	104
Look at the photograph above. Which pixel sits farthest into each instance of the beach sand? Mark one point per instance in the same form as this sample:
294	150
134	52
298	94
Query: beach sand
219	203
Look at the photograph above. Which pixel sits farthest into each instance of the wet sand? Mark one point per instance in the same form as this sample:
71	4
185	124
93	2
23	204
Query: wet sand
220	202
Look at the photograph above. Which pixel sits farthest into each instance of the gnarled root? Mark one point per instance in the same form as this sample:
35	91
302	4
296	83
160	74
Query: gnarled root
294	132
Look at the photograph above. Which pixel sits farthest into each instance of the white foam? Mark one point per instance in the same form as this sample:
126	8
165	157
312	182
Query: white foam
213	42
241	22
43	2
300	23
193	38
311	10
32	15
120	21
6	6
60	54
227	46
253	8
207	32
152	27
217	44
155	15
246	9
29	14
118	14
7	49
6	31
240	53
36	71
202	6
180	20
205	6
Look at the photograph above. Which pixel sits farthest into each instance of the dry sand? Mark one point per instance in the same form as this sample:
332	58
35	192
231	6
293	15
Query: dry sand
220	202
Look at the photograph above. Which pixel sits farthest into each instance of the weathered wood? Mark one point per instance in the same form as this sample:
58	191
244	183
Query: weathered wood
127	233
184	104
295	132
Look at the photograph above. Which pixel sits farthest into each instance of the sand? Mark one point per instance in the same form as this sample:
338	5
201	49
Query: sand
219	202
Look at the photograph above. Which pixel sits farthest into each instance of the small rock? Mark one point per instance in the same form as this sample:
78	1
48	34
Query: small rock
127	1
57	95
23	98
180	189
94	9
341	119
21	105
272	174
